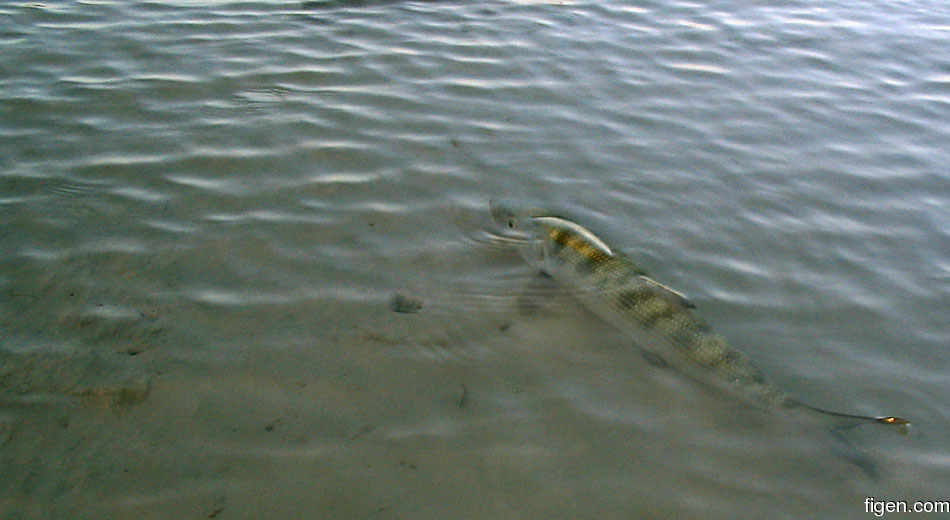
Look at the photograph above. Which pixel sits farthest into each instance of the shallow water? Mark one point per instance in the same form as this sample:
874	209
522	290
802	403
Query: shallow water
208	208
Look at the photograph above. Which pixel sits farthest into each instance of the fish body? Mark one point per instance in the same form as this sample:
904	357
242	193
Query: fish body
660	319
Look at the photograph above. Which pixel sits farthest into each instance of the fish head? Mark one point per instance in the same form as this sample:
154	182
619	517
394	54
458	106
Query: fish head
540	234
521	225
514	216
520	220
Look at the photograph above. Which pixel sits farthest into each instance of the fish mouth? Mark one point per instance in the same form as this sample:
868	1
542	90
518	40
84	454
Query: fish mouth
500	210
498	239
505	213
508	236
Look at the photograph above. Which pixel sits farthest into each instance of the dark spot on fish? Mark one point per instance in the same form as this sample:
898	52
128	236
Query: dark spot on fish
692	335
682	336
404	304
632	298
587	265
701	327
654	360
559	236
580	245
724	360
650	321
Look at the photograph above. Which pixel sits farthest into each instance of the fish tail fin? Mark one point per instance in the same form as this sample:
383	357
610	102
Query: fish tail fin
842	447
846	421
837	438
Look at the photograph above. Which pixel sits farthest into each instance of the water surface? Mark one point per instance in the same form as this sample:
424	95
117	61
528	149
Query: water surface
207	209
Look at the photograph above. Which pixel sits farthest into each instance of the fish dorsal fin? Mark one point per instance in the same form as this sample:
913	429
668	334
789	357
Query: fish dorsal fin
575	236
671	295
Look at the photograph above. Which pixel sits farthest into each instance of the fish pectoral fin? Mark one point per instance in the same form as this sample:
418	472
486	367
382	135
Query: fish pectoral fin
539	292
671	295
653	359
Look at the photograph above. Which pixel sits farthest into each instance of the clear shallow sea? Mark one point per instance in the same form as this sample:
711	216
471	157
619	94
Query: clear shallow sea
207	208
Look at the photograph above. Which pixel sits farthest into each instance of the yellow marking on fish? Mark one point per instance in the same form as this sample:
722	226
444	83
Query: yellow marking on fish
583	247
652	309
570	234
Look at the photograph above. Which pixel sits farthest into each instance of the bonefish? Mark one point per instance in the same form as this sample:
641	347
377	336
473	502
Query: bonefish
660	319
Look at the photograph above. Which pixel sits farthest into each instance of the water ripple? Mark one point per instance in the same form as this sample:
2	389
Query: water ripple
228	195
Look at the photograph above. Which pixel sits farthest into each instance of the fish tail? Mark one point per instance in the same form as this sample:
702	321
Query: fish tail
846	421
843	448
837	438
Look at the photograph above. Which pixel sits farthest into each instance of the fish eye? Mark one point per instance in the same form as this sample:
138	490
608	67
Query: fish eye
511	224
